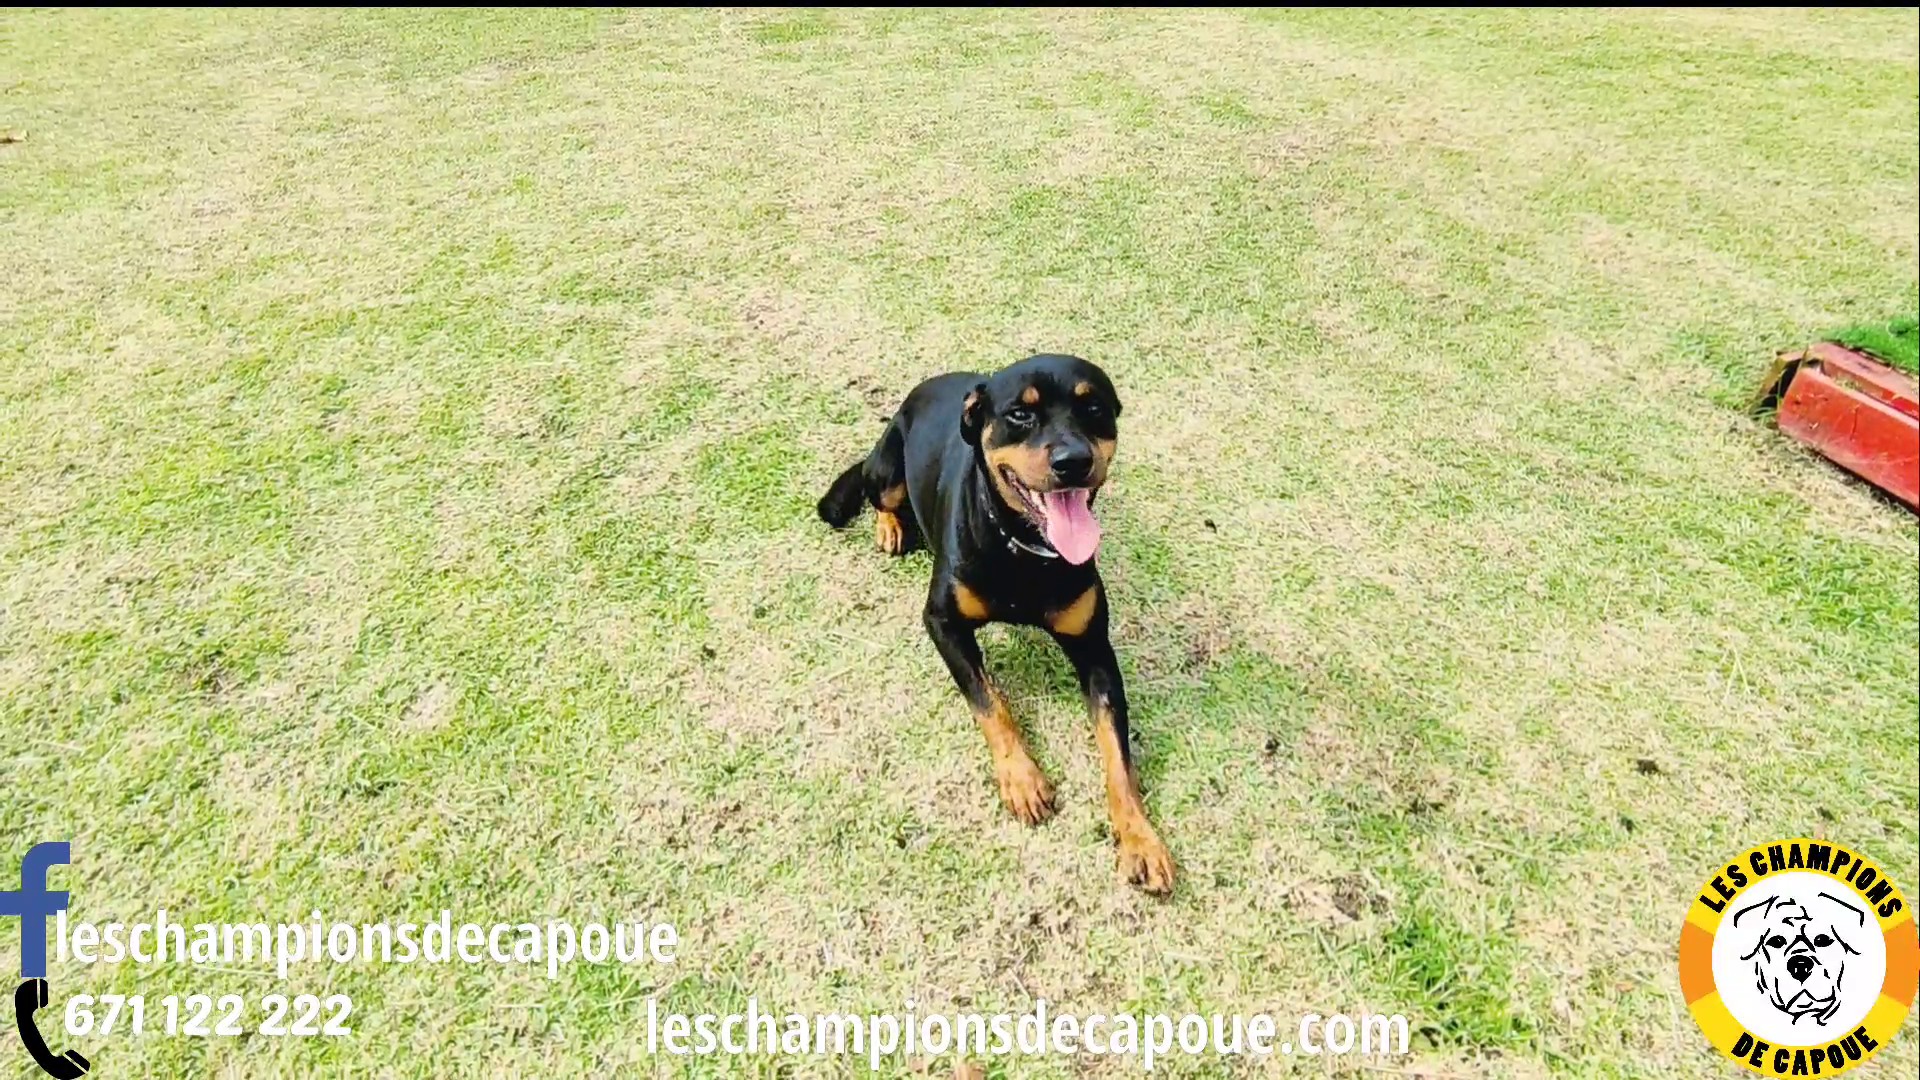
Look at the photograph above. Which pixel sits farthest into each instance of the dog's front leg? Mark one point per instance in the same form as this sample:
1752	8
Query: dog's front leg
1023	787
1081	630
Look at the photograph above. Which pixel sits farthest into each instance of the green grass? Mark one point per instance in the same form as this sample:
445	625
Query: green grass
1897	342
409	424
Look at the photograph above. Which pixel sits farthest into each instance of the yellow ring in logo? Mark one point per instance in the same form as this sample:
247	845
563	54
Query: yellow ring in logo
1719	901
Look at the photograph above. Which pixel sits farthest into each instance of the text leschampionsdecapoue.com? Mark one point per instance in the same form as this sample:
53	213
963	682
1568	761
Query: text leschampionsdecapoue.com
293	948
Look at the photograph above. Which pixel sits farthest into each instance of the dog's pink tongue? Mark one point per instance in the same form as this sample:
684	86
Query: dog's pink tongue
1070	525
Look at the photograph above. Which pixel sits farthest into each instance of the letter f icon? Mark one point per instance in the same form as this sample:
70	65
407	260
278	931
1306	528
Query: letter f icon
35	905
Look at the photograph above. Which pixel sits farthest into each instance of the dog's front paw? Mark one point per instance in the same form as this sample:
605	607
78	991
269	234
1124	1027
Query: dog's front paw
887	532
1145	861
1025	790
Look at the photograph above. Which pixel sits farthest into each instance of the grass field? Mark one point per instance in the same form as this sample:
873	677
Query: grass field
1896	341
410	422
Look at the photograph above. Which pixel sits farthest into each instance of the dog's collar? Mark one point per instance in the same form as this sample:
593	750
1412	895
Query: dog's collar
1016	544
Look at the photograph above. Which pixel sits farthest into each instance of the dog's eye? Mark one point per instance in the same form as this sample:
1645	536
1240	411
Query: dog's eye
1092	407
1776	942
1019	417
1822	941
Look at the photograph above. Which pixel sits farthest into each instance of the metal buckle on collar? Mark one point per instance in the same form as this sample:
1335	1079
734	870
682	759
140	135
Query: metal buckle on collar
1014	544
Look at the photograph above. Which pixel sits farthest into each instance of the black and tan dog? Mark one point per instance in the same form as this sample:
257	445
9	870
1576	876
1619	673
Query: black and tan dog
996	475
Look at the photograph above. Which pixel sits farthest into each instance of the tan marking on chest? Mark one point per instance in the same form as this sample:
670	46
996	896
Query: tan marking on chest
969	603
1072	620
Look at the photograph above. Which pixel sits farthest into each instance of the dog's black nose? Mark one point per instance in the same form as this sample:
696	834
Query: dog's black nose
1071	462
1799	967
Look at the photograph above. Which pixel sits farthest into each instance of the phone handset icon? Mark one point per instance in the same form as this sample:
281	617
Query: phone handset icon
29	997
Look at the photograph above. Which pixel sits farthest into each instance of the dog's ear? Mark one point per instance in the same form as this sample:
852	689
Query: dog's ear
1764	906
1859	917
973	414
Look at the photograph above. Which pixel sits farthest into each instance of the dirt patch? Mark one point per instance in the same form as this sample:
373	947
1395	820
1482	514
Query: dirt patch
432	709
1341	902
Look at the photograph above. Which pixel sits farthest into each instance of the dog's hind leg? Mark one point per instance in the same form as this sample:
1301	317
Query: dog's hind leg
880	480
894	531
884	481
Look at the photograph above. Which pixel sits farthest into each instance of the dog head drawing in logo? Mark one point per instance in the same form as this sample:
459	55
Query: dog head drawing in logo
1799	954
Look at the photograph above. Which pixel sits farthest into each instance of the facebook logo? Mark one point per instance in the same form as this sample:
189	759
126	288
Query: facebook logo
35	905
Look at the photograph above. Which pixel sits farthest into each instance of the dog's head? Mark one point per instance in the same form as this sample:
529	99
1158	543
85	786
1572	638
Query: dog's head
1799	953
1045	429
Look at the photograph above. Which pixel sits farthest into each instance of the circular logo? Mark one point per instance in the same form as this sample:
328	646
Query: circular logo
1799	958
